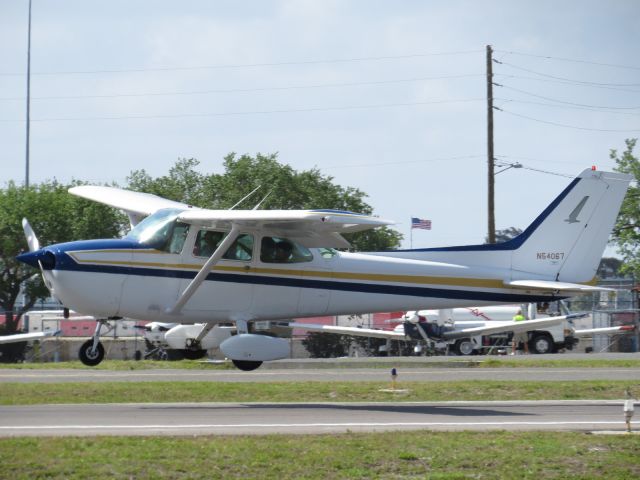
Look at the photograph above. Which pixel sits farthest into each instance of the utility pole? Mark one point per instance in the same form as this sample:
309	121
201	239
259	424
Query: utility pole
490	157
26	178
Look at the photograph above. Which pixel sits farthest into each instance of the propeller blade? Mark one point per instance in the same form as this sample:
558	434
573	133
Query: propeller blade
32	240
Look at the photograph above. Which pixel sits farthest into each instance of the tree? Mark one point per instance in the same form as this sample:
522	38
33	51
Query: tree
326	345
505	234
56	217
287	189
609	268
626	232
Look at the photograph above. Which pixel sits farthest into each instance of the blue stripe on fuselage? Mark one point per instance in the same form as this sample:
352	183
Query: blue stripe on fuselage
375	288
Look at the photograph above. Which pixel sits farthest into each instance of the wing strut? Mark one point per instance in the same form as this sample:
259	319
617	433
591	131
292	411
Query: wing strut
204	271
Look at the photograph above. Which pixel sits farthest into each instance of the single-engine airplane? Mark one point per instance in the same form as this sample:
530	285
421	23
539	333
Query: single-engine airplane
183	264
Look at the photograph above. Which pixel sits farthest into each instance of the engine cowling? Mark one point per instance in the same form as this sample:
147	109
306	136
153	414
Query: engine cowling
257	348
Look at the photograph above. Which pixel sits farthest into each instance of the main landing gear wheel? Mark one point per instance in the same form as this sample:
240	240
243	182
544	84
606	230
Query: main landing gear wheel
464	347
541	343
89	357
194	354
246	365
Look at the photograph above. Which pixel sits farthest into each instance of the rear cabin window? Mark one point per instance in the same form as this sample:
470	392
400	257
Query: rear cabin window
207	242
282	250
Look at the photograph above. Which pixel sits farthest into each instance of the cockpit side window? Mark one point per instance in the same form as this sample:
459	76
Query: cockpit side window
208	240
161	231
282	250
176	240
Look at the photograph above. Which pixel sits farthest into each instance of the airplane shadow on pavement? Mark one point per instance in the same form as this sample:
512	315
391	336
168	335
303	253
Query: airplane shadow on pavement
460	411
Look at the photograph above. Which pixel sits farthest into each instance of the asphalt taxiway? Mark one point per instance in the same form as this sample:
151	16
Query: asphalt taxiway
299	418
319	375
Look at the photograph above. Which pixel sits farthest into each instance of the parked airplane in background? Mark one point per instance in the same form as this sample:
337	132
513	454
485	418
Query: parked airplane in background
189	265
173	341
464	329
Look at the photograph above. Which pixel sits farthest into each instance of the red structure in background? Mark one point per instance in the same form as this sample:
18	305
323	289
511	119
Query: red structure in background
382	320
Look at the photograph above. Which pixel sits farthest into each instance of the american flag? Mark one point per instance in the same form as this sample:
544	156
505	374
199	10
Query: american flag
420	223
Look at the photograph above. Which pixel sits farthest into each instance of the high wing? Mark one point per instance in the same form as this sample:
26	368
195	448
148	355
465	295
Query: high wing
25	337
312	228
586	332
515	327
136	205
354	331
489	329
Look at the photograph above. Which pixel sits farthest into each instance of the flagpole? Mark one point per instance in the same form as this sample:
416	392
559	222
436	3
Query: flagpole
411	234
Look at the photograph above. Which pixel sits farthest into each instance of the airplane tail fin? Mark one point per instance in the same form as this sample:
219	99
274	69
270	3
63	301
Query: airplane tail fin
566	241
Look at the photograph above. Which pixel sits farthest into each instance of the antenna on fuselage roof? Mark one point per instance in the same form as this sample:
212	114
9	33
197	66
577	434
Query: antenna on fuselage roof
246	196
262	201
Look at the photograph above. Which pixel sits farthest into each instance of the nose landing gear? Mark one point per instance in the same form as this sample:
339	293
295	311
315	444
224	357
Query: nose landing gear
92	352
90	355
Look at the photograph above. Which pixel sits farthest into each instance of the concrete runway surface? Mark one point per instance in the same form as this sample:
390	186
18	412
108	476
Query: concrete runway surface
298	418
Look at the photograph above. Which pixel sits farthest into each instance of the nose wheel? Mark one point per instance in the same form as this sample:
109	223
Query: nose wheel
246	365
89	355
92	352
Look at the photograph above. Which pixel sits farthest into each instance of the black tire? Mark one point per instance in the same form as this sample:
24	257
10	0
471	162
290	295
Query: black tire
541	343
464	347
246	365
194	354
171	355
87	357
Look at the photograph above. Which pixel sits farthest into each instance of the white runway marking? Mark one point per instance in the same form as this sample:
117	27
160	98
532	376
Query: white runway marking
380	372
306	425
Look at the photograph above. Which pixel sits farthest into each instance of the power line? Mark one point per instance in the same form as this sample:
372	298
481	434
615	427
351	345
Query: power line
539	160
564	59
261	112
249	65
561	82
547	172
565	79
565	102
552	105
249	90
575	127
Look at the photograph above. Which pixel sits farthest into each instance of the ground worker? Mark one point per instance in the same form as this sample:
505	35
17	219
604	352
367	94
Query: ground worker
521	336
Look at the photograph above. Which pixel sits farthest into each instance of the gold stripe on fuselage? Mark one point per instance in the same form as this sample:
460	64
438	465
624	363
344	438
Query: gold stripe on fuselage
305	273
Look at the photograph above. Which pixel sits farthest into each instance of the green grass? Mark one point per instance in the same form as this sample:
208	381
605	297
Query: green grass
164	392
121	365
424	454
531	361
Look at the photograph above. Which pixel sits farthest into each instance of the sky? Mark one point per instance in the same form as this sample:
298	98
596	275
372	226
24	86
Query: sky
388	97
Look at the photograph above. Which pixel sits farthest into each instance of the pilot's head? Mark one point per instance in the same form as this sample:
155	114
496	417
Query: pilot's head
283	251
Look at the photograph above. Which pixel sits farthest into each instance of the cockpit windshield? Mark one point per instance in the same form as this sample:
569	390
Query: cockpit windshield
161	231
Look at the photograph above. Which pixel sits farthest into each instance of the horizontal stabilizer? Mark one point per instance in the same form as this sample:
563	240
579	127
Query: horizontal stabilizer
512	326
356	332
552	286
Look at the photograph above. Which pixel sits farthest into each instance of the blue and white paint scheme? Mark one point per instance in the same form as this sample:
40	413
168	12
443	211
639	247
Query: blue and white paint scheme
190	265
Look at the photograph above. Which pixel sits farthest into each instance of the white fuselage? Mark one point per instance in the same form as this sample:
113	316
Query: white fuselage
121	279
